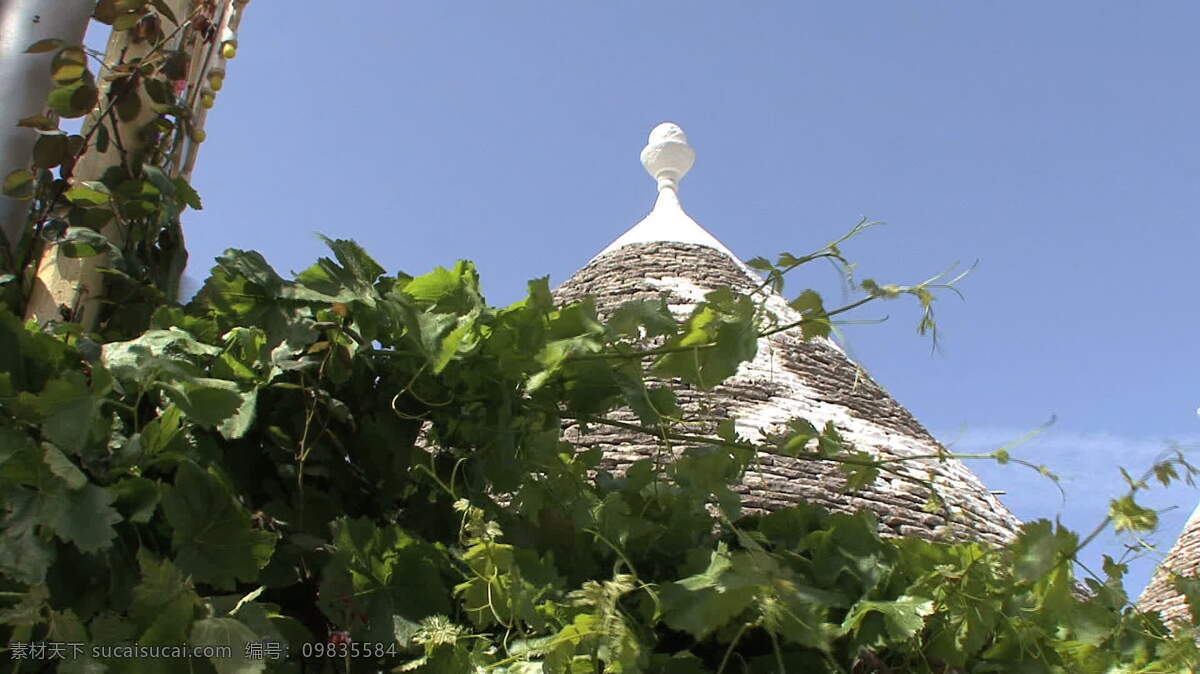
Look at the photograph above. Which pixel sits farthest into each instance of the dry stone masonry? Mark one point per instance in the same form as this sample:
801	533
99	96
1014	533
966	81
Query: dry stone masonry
1183	560
669	255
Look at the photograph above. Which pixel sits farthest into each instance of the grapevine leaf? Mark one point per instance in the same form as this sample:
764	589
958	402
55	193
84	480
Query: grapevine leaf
164	602
25	555
138	497
707	601
902	619
29	609
1039	548
212	402
643	318
83	516
68	411
214	536
231	634
63	467
1129	515
378	573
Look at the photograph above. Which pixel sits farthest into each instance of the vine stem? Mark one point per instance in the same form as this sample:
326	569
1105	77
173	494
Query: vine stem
732	644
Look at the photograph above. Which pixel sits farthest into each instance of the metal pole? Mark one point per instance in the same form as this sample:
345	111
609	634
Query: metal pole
25	83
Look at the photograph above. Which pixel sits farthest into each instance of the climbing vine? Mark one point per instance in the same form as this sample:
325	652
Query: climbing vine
366	471
133	149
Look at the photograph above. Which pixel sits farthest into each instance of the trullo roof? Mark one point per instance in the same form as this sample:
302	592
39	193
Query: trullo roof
669	254
1184	560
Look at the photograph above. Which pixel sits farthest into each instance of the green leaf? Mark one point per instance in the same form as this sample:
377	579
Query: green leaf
89	193
39	122
137	497
69	410
887	291
50	150
67	628
722	337
902	618
239	423
211	402
163	8
808	303
83	242
127	21
1165	472
816	321
860	474
74	100
381	572
709	600
69	65
1128	515
231	634
506	583
213	534
128	102
164	602
653	405
106	12
19	184
29	609
185	193
643	318
83	516
352	278
437	285
63	467
25	555
43	46
761	264
1039	548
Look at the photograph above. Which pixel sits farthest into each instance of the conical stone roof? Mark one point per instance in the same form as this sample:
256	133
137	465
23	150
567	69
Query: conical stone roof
1184	560
669	254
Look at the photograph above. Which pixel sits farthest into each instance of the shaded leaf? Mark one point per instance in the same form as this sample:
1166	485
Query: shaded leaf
231	634
39	122
43	46
19	184
213	535
89	193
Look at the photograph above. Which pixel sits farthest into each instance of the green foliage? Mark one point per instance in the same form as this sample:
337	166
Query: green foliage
136	186
355	459
370	470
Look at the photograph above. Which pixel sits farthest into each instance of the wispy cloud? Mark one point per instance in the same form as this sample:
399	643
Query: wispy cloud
1088	465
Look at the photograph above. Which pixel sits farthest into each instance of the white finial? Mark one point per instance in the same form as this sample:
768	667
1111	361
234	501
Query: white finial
667	155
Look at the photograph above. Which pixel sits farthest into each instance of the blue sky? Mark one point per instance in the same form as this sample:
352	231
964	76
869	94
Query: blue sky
1055	143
